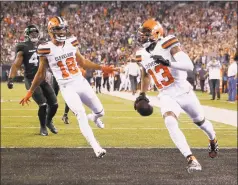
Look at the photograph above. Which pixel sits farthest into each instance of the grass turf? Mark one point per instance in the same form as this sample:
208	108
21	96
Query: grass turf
124	127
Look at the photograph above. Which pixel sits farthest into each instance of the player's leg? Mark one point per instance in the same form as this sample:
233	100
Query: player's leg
52	105
191	105
39	98
90	99
74	102
170	111
65	116
99	83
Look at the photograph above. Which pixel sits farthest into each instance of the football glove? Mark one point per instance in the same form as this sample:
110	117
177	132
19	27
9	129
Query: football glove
158	59
26	99
10	83
107	69
139	98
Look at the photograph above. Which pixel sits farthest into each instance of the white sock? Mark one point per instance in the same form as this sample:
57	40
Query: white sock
86	130
177	136
207	127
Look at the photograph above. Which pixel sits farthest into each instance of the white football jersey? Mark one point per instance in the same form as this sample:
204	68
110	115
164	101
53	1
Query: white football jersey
167	80
61	59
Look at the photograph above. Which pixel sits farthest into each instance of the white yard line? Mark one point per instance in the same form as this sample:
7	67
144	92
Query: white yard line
115	128
139	148
225	116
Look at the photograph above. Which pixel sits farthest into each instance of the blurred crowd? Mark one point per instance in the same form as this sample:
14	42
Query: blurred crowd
107	31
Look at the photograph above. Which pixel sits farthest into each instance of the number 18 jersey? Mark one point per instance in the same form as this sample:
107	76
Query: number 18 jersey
61	59
167	80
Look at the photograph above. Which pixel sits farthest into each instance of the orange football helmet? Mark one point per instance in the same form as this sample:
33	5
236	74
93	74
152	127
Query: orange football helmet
149	32
58	29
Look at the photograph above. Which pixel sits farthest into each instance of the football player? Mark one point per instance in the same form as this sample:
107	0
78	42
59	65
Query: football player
62	55
43	95
163	60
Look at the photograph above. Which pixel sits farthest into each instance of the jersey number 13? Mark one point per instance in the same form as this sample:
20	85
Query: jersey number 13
168	78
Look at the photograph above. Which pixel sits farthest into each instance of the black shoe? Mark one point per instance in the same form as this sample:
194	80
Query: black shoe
218	98
213	148
43	131
212	99
52	128
65	119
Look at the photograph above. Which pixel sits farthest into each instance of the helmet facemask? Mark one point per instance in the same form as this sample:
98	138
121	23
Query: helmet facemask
32	33
144	37
60	32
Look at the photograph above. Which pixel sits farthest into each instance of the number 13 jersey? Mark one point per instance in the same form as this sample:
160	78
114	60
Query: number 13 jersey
61	59
168	81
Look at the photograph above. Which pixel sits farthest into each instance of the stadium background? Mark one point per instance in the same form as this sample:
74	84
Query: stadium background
107	33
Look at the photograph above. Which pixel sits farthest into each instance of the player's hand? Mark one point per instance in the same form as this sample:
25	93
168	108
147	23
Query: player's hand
26	99
142	96
10	83
107	69
158	59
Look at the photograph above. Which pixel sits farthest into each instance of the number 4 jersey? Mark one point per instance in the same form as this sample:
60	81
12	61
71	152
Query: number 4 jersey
168	81
61	59
30	60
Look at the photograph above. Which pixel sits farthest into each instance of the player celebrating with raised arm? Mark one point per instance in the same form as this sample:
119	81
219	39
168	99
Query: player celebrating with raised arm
63	57
164	61
43	95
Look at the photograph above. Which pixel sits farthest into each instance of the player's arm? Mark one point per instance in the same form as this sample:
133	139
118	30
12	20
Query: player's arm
183	62
39	77
87	64
145	81
14	68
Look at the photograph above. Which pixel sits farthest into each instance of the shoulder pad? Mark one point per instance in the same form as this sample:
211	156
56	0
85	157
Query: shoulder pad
74	41
169	41
20	47
43	49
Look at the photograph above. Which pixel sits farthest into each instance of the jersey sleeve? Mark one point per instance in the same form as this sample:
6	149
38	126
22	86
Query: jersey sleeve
74	41
20	47
170	42
43	50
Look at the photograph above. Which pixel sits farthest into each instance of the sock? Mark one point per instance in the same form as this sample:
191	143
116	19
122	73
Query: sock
66	110
51	111
207	127
42	114
177	136
86	130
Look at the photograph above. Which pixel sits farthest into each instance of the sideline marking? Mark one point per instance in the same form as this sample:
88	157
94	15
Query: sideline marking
144	128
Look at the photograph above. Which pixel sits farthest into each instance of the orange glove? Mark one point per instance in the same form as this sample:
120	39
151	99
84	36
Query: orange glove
107	69
26	98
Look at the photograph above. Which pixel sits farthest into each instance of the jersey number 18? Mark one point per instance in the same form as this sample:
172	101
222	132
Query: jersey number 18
72	68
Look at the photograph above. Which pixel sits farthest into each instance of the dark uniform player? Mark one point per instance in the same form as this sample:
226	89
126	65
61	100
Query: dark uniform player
44	95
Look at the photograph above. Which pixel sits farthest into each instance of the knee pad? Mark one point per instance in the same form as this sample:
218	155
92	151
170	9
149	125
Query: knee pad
100	114
199	120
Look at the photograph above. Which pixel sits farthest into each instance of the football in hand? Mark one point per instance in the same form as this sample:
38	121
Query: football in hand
144	108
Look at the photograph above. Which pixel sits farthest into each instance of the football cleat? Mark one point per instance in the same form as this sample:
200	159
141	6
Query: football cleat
43	131
100	153
213	148
98	121
65	119
52	127
193	165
